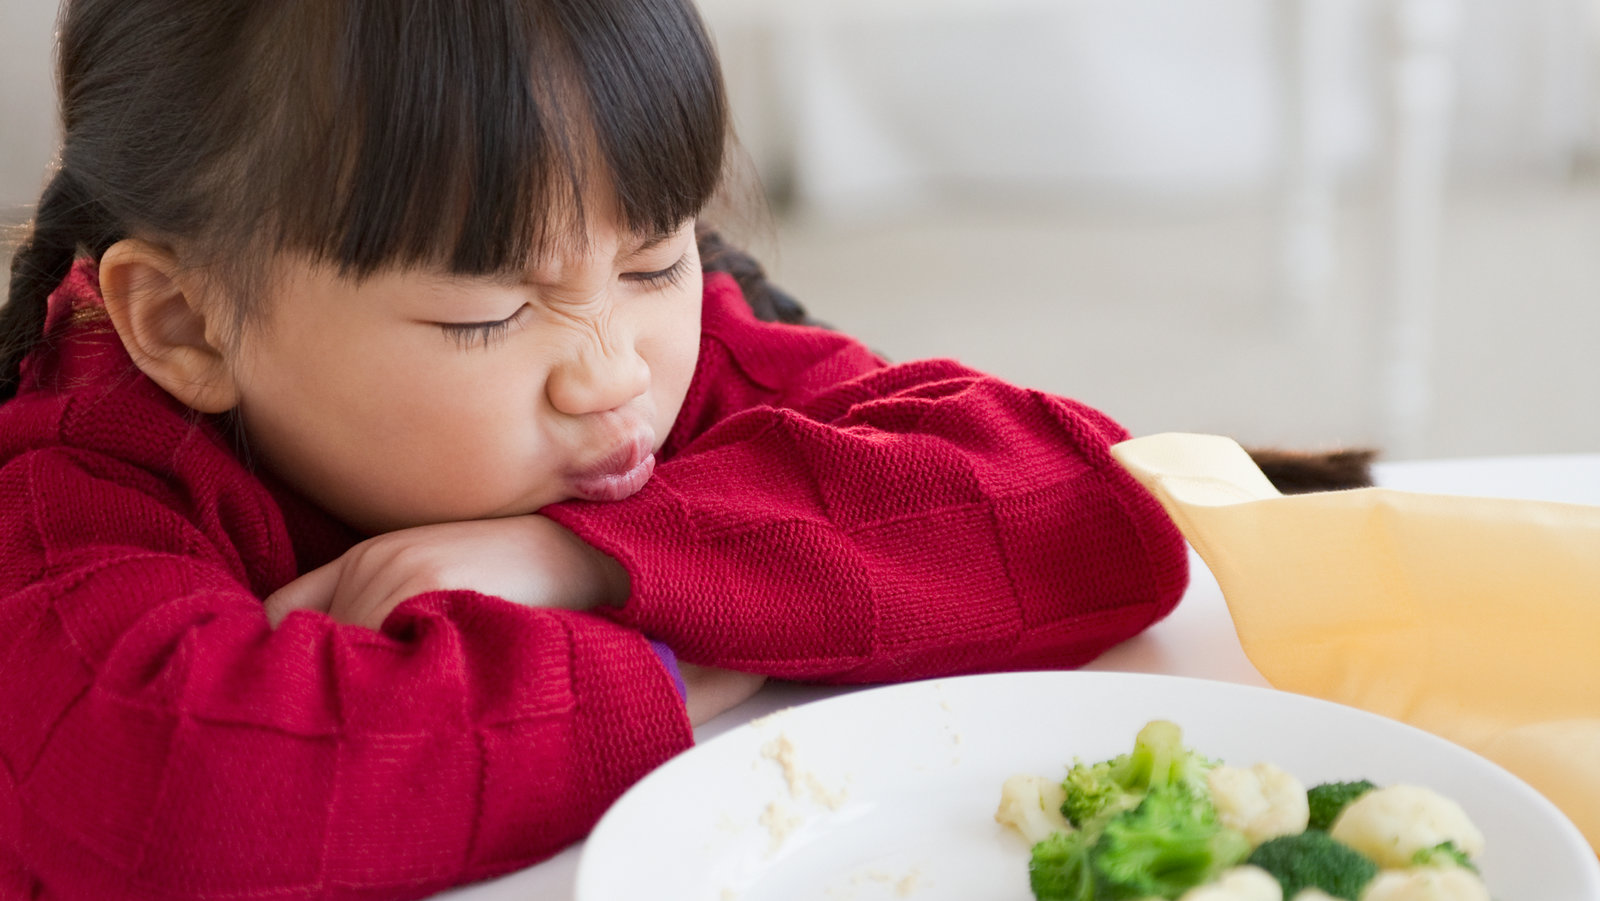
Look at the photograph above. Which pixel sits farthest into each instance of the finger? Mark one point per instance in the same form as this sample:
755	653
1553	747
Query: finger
370	585
312	591
371	606
375	584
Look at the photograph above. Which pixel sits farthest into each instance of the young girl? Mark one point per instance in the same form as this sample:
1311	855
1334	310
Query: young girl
373	448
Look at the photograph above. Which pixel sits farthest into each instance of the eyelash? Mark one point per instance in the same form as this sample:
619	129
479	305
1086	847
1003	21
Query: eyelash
484	335
466	335
663	278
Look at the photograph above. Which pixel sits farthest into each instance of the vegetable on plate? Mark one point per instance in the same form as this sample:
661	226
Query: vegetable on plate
1166	822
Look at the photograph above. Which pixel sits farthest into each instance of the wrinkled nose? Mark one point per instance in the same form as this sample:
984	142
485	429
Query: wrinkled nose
596	379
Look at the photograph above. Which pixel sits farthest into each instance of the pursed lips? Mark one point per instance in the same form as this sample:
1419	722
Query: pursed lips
620	473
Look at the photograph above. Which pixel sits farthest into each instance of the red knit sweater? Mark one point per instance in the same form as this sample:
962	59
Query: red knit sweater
816	514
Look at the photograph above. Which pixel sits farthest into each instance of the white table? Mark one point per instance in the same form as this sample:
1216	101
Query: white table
1197	640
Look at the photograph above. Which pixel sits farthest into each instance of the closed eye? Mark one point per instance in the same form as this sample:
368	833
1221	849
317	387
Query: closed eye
467	335
661	278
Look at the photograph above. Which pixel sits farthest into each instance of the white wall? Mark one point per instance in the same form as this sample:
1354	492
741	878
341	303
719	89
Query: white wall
28	135
1118	97
1146	98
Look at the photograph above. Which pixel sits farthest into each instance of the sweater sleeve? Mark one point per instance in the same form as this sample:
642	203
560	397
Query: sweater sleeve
824	515
159	740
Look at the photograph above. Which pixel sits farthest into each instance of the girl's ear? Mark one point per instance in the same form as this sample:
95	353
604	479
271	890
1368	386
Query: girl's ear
169	331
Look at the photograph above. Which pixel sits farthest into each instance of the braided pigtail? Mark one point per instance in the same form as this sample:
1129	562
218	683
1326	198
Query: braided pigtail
63	223
768	302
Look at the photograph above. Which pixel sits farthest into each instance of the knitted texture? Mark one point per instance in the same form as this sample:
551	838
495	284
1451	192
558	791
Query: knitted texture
816	514
158	740
822	515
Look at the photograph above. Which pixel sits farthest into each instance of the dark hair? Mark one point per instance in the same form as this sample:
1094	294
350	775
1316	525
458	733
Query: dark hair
365	134
766	300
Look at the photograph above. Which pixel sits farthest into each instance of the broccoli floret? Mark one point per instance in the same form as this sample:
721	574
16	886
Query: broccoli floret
1059	869
1329	798
1313	859
1099	791
1443	854
1093	794
1168	844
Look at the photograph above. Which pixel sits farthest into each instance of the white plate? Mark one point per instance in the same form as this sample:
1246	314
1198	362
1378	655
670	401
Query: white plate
893	790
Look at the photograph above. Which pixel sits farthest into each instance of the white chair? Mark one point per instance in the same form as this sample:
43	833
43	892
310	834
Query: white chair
1421	92
1418	93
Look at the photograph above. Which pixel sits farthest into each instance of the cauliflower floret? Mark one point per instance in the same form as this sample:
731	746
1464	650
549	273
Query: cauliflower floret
1312	894
1032	806
1238	884
1392	824
1262	802
1426	884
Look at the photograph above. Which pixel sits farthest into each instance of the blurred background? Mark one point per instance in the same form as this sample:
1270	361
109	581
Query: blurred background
1309	223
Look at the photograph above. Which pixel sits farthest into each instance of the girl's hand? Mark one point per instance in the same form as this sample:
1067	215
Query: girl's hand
524	559
711	691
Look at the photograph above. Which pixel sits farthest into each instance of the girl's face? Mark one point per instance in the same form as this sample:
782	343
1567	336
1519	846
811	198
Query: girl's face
416	397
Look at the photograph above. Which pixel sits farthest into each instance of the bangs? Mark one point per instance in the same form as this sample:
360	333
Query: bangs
468	135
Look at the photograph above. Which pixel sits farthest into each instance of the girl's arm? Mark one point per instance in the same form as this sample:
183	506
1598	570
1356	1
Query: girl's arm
160	740
823	515
527	560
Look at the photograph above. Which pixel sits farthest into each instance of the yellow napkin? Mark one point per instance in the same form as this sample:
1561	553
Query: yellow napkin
1475	619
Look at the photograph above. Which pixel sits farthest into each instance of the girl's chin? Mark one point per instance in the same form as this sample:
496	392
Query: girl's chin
462	501
378	523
